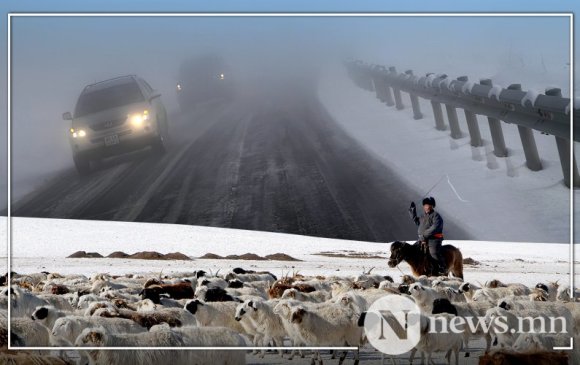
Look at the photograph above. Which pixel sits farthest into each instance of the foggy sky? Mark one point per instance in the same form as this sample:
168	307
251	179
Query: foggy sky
55	57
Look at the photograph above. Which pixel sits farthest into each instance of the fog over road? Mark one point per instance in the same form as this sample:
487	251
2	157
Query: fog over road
271	160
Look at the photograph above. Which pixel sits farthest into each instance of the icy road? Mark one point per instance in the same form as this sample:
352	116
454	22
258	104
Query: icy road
272	160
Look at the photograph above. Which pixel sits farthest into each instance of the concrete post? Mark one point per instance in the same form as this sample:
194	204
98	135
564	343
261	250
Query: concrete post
472	125
530	149
379	89
528	142
499	147
473	128
564	151
387	92
438	114
398	101
453	121
414	101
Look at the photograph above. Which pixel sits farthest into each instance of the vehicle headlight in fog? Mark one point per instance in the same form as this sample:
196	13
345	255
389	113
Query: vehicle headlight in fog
137	119
78	133
178	87
222	76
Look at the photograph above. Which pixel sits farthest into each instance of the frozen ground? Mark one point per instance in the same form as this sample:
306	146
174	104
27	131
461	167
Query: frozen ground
43	244
493	198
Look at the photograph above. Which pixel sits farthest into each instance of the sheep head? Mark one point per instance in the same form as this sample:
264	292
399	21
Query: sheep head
298	315
92	337
191	306
40	313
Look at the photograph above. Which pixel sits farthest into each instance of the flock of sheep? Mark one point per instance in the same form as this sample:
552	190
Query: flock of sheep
245	308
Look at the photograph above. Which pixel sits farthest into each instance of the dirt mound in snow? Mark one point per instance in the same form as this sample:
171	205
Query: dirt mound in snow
211	256
143	255
118	255
84	254
280	257
246	256
147	255
470	261
175	256
250	256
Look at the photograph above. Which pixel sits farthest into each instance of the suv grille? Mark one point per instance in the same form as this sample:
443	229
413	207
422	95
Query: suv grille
108	124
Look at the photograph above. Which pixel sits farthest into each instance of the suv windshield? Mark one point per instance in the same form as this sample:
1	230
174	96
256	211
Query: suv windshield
107	98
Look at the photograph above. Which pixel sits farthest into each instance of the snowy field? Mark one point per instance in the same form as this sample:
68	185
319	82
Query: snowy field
43	244
494	198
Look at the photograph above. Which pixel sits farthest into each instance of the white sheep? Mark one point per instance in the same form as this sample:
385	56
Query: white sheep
84	301
551	288
258	292
244	278
564	293
70	327
468	289
99	284
436	341
212	282
33	333
317	284
249	326
424	296
330	324
22	302
47	315
366	281
507	325
215	314
469	311
493	294
315	296
267	323
99	337
58	301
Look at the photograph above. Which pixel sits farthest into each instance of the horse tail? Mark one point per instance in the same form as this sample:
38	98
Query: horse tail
457	264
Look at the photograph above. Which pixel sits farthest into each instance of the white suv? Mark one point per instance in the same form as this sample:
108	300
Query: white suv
116	116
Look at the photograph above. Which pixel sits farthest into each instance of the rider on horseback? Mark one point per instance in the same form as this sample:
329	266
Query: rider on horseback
430	231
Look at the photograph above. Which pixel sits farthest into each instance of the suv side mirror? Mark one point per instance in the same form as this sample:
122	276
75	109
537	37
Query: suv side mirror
154	95
67	116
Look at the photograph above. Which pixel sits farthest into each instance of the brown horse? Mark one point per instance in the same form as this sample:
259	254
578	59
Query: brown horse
422	263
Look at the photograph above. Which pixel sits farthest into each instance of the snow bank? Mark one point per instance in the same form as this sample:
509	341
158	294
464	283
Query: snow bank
505	200
42	244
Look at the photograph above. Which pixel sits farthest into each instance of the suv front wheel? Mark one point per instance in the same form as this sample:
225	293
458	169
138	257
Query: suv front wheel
82	164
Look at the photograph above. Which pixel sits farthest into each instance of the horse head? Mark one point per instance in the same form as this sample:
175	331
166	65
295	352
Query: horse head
396	253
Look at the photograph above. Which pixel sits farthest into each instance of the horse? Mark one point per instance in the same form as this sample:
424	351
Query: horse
422	263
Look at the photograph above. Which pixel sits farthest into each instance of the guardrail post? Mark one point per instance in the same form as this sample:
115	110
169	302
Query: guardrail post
530	149
472	125
453	121
387	91
499	148
438	114
564	151
414	101
378	84
398	101
528	142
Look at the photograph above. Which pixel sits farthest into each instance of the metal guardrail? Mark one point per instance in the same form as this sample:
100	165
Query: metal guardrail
548	113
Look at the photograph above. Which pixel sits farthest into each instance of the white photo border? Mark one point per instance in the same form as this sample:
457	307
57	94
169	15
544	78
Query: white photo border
570	16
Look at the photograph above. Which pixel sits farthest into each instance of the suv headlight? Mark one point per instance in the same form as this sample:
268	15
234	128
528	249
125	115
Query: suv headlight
78	133
137	119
